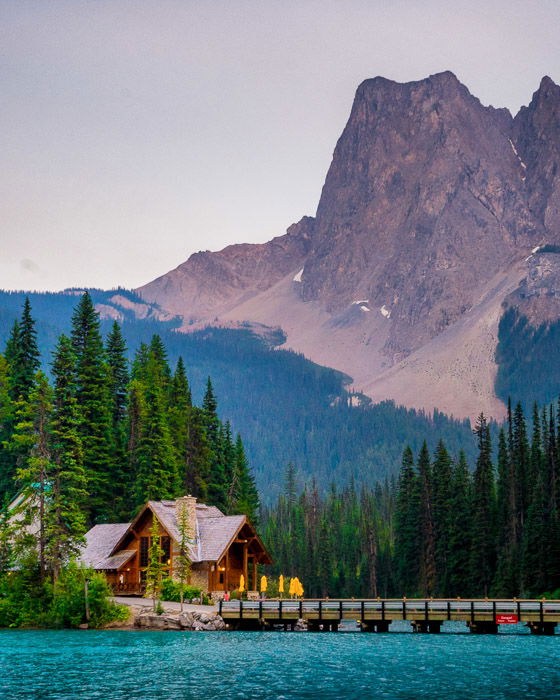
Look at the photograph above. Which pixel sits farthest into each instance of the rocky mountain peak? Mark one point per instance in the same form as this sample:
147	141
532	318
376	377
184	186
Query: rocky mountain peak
430	206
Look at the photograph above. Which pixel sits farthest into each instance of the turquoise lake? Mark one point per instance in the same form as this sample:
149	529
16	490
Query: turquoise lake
173	665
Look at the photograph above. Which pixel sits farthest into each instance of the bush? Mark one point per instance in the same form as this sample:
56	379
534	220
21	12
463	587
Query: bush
170	591
68	608
25	602
23	599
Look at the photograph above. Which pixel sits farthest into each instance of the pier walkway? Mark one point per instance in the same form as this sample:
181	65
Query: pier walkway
376	615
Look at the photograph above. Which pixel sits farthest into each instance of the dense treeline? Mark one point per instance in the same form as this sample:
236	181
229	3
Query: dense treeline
286	407
527	359
443	530
102	436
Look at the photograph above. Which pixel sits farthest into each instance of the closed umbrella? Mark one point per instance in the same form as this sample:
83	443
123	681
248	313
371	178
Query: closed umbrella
281	584
241	583
264	584
291	590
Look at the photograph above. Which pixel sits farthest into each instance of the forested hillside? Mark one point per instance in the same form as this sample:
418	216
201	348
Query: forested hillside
102	436
448	527
527	358
286	407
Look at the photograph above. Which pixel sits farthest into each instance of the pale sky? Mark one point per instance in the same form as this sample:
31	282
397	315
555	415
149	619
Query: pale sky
135	132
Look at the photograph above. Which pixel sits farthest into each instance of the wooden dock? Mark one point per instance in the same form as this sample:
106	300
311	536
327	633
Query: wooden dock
376	615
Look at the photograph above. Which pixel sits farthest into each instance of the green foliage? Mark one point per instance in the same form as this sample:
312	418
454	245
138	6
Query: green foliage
261	388
26	602
156	567
24	354
187	538
93	398
68	606
527	359
441	531
171	591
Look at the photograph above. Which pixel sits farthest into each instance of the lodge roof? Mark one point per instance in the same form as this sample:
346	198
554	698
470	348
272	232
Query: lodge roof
214	533
100	541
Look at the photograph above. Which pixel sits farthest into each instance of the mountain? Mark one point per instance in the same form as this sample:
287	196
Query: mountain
286	407
436	215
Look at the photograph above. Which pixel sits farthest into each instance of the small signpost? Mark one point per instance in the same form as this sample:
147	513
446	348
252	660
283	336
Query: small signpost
507	619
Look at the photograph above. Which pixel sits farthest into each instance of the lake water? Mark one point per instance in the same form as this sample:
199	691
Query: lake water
238	665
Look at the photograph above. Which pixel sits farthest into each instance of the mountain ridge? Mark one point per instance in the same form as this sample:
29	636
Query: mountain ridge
431	208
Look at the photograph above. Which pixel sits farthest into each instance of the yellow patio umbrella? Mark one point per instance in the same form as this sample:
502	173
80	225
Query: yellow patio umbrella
300	589
264	584
291	590
281	584
241	583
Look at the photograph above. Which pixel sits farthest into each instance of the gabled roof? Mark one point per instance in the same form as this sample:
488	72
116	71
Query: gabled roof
214	533
217	533
100	541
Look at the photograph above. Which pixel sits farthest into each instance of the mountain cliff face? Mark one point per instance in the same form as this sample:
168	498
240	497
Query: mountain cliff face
430	214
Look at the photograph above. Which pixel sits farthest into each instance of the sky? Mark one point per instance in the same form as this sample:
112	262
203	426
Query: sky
136	132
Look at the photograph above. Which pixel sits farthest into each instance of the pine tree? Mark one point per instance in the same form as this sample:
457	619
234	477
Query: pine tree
483	552
179	418
245	497
12	346
31	438
157	476
24	352
199	457
182	561
7	466
92	381
217	489
407	535
458	561
427	533
66	522
118	385
507	582
442	469
156	567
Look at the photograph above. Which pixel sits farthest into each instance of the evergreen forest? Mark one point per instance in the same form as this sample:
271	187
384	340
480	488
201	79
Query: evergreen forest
527	359
286	407
106	436
443	529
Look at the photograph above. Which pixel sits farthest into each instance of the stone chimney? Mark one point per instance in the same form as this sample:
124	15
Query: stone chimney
189	504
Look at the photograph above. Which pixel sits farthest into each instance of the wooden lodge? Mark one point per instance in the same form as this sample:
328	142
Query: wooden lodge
223	548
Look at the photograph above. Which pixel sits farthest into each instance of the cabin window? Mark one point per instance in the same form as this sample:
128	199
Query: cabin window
166	546
144	547
221	578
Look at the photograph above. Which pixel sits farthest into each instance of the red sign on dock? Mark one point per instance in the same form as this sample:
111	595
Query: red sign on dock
507	619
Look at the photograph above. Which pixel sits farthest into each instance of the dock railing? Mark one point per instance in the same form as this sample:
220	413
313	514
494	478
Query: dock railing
413	609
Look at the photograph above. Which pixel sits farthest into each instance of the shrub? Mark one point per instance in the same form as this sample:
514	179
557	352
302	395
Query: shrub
23	599
68	608
170	591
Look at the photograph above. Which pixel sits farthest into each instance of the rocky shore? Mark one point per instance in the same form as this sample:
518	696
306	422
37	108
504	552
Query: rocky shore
194	621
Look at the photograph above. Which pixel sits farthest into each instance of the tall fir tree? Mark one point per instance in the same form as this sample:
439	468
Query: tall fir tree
441	471
118	376
32	440
7	412
93	396
179	418
66	521
427	530
217	488
24	353
407	533
483	545
507	582
157	475
458	560
245	497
